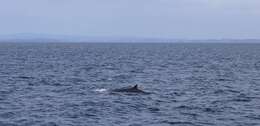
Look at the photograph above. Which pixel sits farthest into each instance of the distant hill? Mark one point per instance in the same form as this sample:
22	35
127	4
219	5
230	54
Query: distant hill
27	37
68	38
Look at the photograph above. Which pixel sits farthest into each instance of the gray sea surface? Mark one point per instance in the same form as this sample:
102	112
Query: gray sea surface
67	84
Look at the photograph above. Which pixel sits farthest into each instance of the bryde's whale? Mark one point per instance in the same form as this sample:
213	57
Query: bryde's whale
133	89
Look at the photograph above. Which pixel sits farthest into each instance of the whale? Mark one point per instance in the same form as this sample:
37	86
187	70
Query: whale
133	89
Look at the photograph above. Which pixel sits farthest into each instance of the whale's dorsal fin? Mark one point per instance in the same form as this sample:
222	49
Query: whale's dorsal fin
135	87
130	89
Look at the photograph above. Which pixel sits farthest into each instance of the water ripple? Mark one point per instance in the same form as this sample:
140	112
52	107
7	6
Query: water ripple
69	84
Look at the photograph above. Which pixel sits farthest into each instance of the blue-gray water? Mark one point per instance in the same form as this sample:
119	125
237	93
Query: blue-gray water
190	84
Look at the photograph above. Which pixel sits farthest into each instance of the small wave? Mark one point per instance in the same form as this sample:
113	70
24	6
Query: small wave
24	77
185	107
211	110
221	91
154	109
50	124
177	123
256	117
7	115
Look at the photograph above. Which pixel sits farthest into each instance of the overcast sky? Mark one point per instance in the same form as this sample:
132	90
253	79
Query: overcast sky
190	19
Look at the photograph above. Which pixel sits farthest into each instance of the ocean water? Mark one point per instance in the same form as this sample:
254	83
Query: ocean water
67	84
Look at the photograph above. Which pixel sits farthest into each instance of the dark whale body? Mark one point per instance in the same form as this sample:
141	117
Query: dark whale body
133	89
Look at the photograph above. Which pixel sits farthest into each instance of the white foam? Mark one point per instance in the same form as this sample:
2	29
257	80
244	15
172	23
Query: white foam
100	90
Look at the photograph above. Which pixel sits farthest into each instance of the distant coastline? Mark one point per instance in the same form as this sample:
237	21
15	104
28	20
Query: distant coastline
42	38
